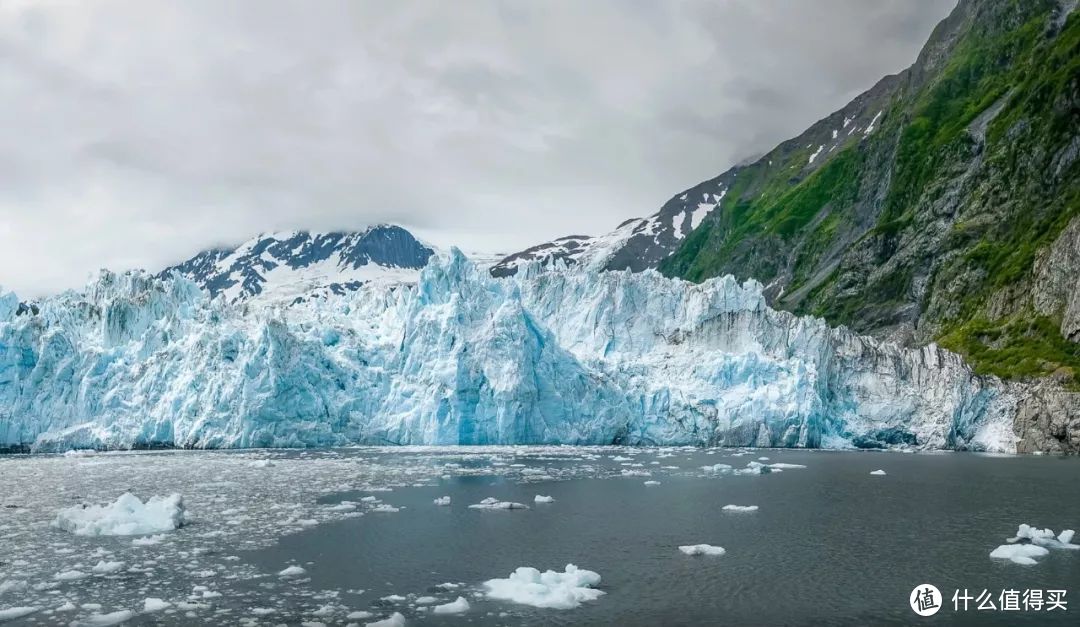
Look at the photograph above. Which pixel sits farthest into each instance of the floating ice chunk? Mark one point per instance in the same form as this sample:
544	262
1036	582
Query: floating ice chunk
763	459
104	620
344	506
1044	537
12	585
1066	536
70	575
12	613
425	600
550	589
358	615
740	508
393	598
383	507
1019	553
754	468
127	516
717	468
154	604
149	540
67	607
262	463
458	606
105	568
394	620
652	483
86	452
878	472
636	473
783	466
540	498
292	571
494	503
702	549
266	611
442	500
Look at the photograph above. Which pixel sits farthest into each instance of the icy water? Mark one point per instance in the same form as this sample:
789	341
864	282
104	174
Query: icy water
829	544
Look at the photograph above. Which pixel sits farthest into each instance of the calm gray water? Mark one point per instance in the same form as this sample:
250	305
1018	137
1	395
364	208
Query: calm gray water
829	544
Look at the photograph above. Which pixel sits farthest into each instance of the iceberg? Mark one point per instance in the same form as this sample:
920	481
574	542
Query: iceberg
127	516
552	355
549	589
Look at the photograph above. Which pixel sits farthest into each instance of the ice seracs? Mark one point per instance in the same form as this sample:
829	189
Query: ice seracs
127	516
548	589
552	355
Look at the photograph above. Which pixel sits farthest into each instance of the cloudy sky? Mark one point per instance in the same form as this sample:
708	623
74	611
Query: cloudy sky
136	133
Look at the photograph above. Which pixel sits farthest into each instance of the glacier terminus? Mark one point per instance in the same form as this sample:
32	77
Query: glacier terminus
552	355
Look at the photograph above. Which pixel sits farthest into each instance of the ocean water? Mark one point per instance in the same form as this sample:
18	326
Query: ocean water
829	544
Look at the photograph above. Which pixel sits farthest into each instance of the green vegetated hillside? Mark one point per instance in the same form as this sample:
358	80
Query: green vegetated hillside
941	205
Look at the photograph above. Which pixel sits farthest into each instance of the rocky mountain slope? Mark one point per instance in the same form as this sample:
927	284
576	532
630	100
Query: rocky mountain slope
300	264
941	205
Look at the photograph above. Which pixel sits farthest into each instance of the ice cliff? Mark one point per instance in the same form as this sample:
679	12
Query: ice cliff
550	355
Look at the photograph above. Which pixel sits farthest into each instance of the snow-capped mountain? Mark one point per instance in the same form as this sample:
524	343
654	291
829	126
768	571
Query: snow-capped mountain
299	264
550	355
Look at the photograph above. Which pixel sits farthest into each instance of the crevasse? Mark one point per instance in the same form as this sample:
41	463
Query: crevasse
551	355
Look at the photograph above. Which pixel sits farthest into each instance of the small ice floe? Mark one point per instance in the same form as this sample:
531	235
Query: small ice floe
652	483
292	571
457	606
636	473
442	500
82	452
425	600
358	615
154	604
104	620
262	463
540	498
383	507
740	508
783	466
394	620
127	516
494	503
1031	542
717	469
550	589
149	540
106	568
12	613
344	506
393	598
70	575
754	468
763	459
878	473
702	549
67	607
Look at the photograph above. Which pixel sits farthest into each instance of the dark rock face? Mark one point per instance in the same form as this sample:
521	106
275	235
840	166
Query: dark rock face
244	268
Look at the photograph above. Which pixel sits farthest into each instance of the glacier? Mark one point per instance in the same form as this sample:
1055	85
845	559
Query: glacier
551	355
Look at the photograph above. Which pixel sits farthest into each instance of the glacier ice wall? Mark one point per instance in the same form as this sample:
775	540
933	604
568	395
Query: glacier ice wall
551	355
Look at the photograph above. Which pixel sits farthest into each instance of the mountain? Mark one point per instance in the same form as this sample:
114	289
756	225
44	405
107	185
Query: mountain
941	205
300	264
550	355
955	220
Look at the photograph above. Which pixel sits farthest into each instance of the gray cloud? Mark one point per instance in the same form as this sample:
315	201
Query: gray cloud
137	133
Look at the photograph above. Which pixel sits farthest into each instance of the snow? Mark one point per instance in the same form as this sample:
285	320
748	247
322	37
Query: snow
740	508
394	620
457	606
544	499
554	355
292	571
702	549
127	516
494	503
870	127
879	472
816	153
442	500
550	589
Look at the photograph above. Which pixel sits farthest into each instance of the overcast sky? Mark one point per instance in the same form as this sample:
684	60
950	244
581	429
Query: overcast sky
136	133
